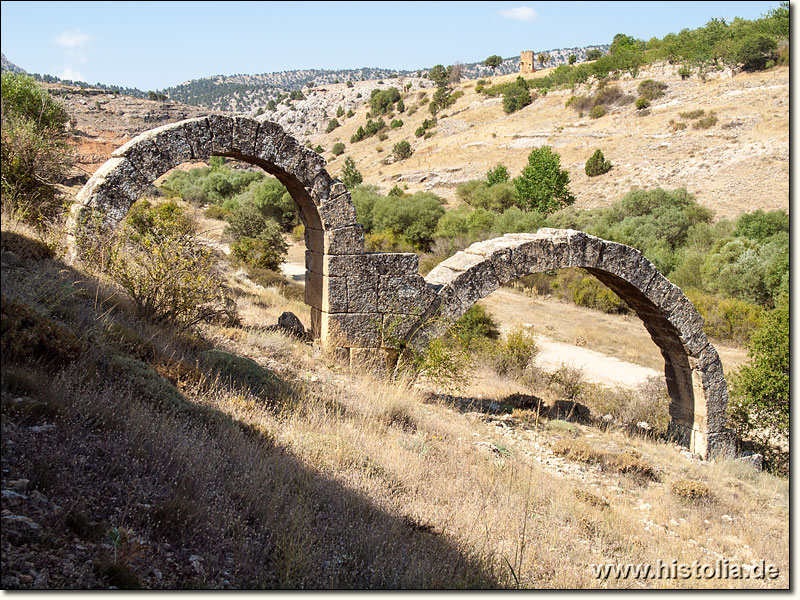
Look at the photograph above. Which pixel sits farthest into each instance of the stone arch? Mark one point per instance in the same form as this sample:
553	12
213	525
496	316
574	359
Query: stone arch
324	204
693	370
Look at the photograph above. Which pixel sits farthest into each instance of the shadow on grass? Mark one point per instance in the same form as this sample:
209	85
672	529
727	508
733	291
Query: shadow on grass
167	478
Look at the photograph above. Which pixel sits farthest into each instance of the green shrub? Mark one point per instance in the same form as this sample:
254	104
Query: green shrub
597	164
706	122
337	149
516	97
685	72
514	354
215	211
760	225
382	101
590	293
169	276
543	186
650	89
475	326
129	341
332	124
497	175
411	218
28	335
420	131
597	111
727	318
241	373
642	103
34	153
402	150
396	123
351	176
759	410
267	250
755	50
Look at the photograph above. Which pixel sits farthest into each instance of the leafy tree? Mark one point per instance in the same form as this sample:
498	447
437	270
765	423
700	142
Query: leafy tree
497	175
597	164
760	225
402	150
594	54
413	218
267	250
438	74
382	101
271	106
754	51
351	177
543	58
760	390
493	62
572	59
34	150
332	124
516	97
543	185
340	112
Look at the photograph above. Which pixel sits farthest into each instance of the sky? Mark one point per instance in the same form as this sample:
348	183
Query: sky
154	45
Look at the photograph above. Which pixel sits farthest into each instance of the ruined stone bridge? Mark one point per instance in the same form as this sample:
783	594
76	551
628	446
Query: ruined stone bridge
365	305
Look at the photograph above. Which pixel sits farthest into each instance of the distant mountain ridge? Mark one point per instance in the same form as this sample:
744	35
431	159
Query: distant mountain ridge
7	65
248	93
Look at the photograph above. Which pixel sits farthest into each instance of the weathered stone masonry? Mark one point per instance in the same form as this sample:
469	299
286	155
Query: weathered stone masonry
371	305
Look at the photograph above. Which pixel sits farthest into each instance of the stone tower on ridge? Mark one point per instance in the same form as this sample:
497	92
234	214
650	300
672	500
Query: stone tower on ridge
526	61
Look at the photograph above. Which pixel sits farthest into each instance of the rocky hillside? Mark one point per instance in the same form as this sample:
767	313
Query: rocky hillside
7	65
246	93
739	163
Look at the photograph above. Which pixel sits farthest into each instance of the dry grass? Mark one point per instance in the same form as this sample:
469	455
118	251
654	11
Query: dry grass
646	153
342	479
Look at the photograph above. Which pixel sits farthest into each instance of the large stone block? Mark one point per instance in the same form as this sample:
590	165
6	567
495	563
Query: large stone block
172	144
354	330
338	212
145	157
476	283
244	136
269	140
370	264
397	328
362	294
408	294
221	133
327	293
344	240
315	262
198	133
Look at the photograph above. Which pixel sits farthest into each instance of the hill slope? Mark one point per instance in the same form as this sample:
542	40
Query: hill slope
739	164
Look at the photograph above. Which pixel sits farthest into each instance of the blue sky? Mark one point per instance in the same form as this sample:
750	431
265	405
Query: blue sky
153	45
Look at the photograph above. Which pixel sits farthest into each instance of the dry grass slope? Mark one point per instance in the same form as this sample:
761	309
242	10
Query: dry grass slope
134	458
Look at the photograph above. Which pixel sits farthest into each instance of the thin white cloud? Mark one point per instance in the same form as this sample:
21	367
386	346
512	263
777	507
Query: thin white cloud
519	13
70	73
73	38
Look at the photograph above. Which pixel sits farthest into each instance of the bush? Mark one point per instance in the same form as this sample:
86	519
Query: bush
651	89
266	251
593	54
642	103
332	124
396	123
685	72
34	153
170	277
476	325
411	218
706	122
241	373
543	186
28	335
696	491
514	354
337	149
216	212
591	293
597	164
420	131
755	50
382	101
597	111
760	225
351	177
516	97
402	150
497	175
